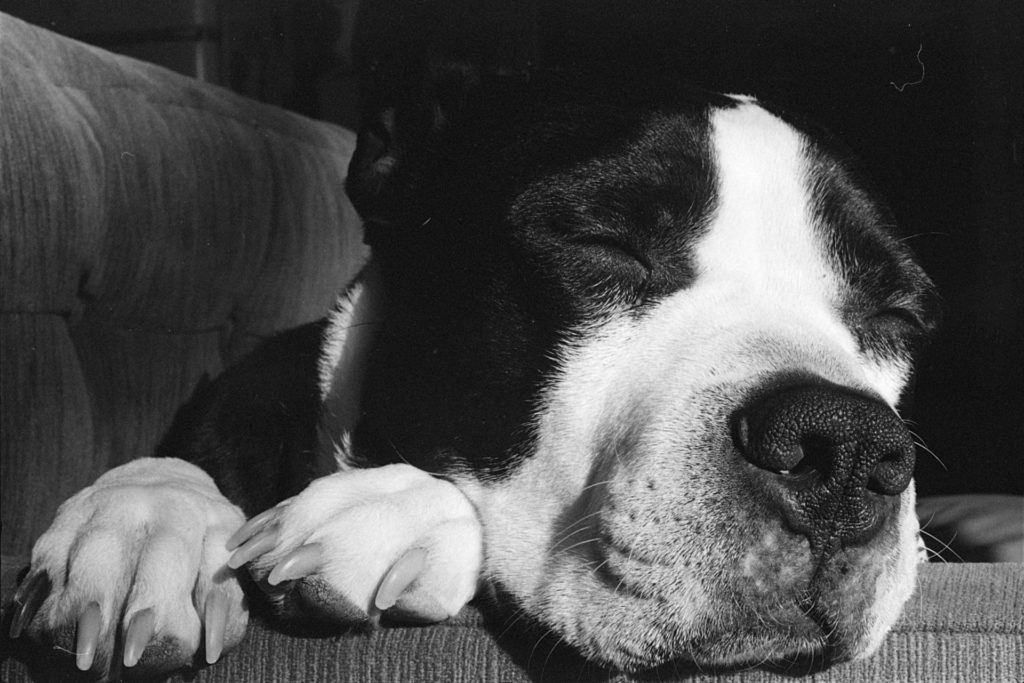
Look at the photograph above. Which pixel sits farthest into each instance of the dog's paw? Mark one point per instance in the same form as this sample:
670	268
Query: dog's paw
356	544
133	572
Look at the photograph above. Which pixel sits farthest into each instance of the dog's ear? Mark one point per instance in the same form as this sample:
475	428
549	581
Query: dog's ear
388	172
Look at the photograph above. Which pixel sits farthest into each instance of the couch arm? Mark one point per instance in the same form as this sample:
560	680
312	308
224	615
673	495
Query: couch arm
963	624
151	228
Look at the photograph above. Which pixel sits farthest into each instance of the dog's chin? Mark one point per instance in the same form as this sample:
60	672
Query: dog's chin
651	637
837	612
634	634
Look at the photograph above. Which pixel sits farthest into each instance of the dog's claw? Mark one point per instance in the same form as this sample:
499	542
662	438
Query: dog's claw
401	575
137	636
29	598
215	619
301	562
253	548
88	635
249	528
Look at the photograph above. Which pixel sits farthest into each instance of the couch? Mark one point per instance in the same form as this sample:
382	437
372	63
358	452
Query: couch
152	230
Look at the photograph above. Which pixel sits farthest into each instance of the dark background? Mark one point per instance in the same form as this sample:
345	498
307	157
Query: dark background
930	94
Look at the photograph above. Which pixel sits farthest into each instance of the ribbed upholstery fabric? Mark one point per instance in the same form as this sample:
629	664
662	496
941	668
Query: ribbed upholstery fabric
965	623
151	229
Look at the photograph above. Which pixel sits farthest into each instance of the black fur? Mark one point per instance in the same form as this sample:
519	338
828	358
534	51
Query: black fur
503	211
528	205
253	428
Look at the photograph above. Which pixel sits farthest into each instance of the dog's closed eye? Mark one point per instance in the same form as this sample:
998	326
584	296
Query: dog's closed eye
611	246
891	332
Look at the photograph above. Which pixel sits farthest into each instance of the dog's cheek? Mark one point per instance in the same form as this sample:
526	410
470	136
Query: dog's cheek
898	579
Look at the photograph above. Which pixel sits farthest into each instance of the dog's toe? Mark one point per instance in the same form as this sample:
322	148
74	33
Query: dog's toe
29	597
357	544
132	573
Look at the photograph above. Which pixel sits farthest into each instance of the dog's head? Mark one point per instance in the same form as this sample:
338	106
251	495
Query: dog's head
658	338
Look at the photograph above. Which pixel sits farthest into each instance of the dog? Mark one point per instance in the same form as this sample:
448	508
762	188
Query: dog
625	355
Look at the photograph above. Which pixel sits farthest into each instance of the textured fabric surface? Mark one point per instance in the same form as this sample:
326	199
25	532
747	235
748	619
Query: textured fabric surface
965	623
152	228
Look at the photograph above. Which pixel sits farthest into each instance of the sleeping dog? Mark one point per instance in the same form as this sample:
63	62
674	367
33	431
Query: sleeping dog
625	355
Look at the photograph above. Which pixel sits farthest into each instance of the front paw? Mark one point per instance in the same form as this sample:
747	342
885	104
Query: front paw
356	544
133	572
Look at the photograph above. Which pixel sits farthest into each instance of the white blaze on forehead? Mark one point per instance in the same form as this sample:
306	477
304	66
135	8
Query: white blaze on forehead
764	261
764	255
762	240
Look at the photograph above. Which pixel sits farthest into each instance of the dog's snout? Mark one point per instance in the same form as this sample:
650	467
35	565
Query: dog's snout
830	458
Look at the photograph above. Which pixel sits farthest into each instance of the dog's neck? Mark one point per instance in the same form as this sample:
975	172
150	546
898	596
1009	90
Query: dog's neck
348	339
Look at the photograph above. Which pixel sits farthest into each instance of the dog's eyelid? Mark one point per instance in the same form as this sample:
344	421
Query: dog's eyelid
613	243
903	316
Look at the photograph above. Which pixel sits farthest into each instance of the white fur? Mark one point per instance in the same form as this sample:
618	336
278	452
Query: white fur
351	328
148	534
896	585
152	534
364	520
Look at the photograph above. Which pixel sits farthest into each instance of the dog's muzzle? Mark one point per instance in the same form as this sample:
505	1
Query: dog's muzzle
833	462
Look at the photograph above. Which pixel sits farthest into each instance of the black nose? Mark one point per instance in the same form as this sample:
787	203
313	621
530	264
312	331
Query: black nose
832	460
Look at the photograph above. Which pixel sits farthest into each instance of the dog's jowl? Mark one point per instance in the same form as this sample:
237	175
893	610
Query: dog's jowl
630	356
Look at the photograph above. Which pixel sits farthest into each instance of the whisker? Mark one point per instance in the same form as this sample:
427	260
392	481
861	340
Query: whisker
907	238
394	447
555	547
574	528
596	484
551	652
512	620
919	442
944	546
576	545
540	640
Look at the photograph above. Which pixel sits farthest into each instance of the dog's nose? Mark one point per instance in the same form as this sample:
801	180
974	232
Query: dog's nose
831	459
